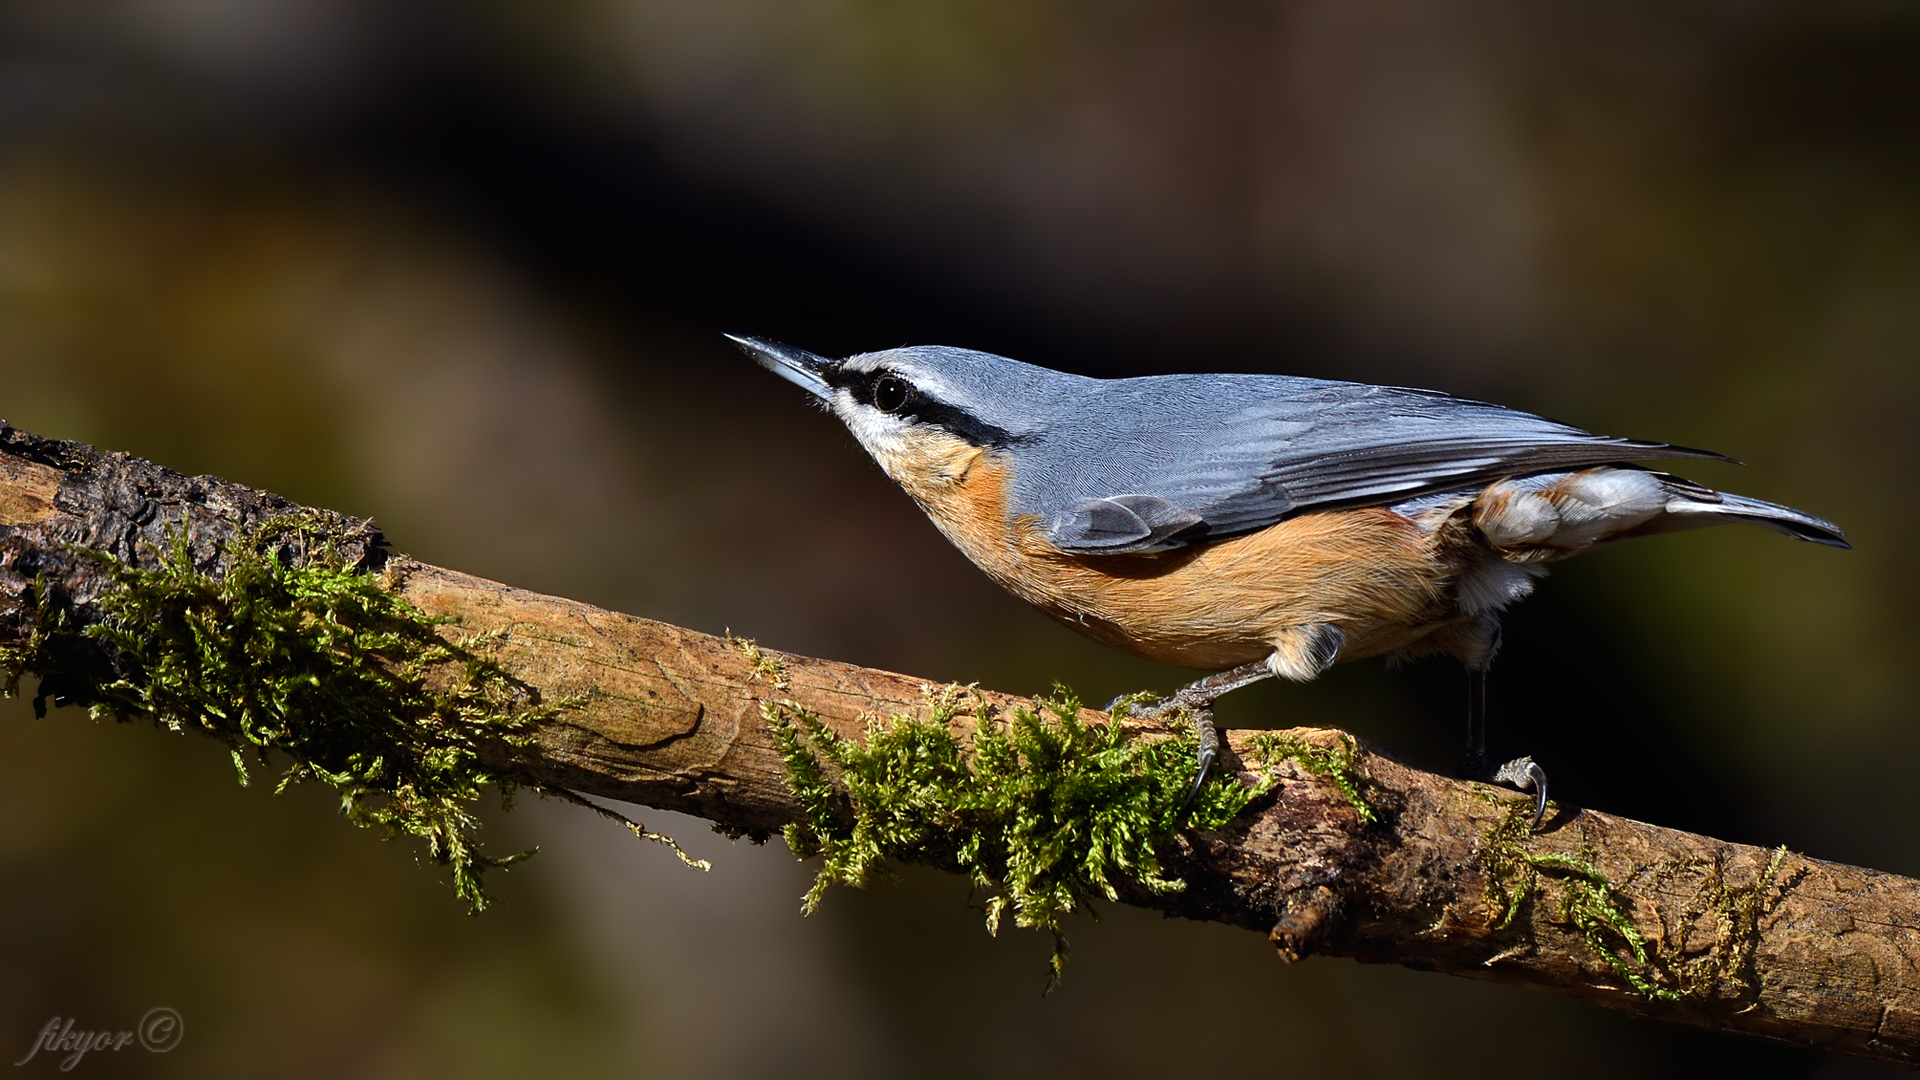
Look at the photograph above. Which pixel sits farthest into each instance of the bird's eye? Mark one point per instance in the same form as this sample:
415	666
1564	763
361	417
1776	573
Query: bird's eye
891	393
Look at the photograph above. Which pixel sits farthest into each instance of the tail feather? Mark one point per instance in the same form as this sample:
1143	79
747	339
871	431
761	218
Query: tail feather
1552	515
1782	519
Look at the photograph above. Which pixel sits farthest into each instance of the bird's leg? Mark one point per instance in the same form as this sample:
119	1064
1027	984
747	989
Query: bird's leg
1522	773
1196	700
1473	762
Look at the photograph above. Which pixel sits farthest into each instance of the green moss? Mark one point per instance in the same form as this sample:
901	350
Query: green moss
766	667
308	659
1738	912
1584	898
1042	811
1338	765
1727	967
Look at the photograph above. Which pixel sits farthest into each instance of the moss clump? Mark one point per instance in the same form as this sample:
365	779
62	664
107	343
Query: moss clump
306	657
1044	813
766	667
1738	913
1727	967
1587	901
1338	765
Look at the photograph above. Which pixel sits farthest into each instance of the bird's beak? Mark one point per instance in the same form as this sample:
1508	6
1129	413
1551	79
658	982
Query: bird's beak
797	366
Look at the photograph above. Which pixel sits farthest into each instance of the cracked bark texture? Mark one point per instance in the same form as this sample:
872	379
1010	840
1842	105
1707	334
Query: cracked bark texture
1620	913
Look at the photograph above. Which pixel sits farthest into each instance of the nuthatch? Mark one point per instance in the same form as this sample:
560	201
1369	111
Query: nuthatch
1257	525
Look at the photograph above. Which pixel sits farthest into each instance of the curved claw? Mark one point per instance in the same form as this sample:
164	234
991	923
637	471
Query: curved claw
1199	781
1209	750
1524	774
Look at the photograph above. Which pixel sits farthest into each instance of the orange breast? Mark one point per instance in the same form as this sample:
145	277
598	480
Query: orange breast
1382	579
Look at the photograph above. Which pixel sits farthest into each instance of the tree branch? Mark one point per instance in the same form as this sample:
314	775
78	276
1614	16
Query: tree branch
1446	877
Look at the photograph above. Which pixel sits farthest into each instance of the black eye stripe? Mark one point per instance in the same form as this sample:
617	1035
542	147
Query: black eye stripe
861	384
866	388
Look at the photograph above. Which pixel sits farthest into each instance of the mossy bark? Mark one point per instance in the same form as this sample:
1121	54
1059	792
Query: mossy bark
1445	877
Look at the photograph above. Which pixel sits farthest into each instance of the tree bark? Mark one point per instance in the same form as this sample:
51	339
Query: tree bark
1448	878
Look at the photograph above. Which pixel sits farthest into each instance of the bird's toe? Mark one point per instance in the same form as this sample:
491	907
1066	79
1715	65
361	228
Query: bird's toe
1526	774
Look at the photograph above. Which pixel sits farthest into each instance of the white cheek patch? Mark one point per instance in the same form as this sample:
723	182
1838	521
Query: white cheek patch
885	437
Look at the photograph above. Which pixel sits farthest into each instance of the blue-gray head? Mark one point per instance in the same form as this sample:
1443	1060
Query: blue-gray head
891	398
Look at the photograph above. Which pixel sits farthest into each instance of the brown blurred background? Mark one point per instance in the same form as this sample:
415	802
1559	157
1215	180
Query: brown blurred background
463	266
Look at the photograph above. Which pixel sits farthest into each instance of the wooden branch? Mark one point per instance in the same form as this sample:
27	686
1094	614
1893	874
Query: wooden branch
1631	916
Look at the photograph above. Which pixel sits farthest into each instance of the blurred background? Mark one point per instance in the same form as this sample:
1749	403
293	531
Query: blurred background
463	266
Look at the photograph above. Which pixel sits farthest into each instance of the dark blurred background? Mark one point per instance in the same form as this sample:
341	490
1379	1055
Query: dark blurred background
464	267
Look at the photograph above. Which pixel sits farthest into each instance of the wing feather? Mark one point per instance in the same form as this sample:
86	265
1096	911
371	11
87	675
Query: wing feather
1185	456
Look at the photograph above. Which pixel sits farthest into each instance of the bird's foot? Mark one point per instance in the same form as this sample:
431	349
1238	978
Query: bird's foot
1197	708
1138	703
1209	749
1155	709
1525	774
1195	700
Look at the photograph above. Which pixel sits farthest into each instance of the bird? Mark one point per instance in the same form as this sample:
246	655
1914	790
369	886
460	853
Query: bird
1258	525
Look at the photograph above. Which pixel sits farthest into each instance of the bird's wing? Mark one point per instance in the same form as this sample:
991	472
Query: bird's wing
1186	457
